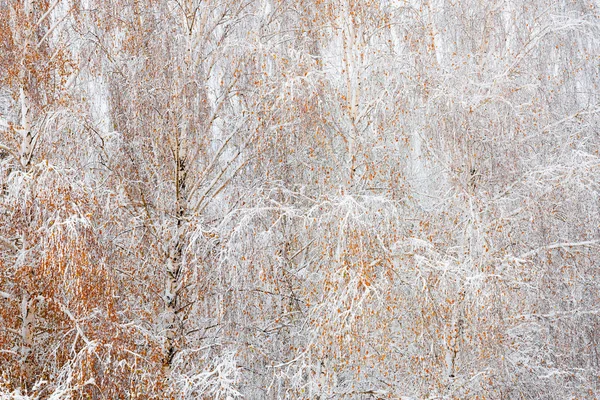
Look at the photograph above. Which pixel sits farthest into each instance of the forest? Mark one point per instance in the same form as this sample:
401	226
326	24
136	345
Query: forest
299	199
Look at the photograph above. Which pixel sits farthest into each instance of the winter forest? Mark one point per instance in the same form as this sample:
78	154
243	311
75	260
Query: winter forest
299	199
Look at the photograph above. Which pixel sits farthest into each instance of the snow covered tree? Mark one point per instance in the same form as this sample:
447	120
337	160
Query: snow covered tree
299	199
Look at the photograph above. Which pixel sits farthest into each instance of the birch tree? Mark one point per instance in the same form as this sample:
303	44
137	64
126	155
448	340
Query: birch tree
35	67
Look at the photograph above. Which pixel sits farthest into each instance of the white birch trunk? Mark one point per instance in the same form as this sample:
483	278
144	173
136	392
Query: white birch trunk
28	321
174	263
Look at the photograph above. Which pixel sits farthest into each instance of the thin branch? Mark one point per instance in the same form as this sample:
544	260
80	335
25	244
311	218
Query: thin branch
47	13
558	246
6	295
